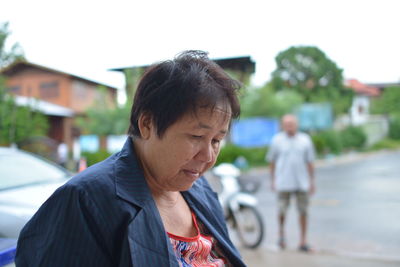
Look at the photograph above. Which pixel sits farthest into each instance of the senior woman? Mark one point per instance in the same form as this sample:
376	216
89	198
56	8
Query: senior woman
148	205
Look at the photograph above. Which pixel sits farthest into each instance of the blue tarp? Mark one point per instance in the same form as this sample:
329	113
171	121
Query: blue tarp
89	143
254	132
315	116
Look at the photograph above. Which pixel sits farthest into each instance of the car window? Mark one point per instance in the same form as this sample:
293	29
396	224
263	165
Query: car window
19	169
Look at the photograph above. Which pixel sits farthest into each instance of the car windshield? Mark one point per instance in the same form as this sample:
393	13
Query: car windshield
20	169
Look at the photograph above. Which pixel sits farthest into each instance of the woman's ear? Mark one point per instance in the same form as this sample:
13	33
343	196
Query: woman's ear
145	124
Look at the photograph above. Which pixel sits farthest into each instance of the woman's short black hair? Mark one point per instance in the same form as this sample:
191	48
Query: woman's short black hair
170	89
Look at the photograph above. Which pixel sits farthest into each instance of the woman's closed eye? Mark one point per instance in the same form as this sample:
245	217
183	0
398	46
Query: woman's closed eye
216	141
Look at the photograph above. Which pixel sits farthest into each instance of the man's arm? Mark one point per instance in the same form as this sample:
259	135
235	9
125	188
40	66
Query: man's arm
271	158
272	174
310	168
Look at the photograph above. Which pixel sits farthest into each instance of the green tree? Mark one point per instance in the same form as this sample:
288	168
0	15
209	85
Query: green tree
388	103
102	119
17	123
308	71
265	102
15	53
132	77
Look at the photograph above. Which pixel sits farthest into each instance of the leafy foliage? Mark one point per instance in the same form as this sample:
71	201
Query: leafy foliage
386	144
15	53
264	102
334	142
132	78
103	120
308	71
388	103
18	123
254	156
95	157
353	137
327	142
394	127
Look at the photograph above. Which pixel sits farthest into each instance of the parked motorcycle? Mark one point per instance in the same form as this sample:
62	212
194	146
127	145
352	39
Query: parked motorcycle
239	206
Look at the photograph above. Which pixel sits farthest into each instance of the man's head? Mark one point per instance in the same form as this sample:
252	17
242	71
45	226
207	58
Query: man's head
289	124
171	89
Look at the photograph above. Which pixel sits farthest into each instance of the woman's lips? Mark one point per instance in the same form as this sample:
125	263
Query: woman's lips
192	173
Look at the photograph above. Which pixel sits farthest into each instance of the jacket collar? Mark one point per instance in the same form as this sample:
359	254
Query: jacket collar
132	187
129	181
145	231
200	204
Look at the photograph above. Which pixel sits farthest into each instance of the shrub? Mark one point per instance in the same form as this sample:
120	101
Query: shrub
254	156
386	144
229	153
394	128
352	137
319	143
327	142
95	157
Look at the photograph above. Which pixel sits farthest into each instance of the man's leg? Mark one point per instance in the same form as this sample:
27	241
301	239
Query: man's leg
302	206
303	229
283	201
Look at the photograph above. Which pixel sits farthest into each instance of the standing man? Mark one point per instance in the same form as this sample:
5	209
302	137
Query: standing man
291	157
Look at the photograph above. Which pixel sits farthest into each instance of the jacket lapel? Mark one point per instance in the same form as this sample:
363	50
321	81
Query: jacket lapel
149	245
206	208
148	242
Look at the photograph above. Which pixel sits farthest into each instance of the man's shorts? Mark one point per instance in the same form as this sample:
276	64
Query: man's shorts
302	200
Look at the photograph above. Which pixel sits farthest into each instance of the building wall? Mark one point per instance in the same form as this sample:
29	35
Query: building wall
57	88
84	95
60	89
31	82
359	109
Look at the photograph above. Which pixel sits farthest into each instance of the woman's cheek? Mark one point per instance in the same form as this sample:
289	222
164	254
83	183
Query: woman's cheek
215	156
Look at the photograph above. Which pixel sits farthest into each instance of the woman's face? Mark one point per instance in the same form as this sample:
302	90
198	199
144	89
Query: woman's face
187	149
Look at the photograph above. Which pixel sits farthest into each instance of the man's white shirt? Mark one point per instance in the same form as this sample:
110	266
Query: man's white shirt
291	155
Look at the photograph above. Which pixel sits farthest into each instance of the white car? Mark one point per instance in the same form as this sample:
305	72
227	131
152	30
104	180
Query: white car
26	181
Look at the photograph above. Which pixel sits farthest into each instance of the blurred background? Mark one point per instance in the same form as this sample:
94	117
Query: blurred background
69	69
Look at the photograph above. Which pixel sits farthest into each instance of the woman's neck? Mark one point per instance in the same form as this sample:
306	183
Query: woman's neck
166	199
163	198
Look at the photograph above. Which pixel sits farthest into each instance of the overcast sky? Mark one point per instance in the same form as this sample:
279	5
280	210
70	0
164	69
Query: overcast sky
88	37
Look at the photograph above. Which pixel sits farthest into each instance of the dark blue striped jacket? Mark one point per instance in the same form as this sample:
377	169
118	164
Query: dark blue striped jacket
106	216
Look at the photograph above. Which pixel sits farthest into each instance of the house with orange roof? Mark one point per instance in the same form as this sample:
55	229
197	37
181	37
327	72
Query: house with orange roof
359	111
59	95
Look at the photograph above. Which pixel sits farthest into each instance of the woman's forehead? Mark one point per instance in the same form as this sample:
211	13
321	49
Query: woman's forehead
208	117
221	111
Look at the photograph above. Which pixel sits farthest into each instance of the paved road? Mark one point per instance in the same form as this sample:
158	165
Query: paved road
354	217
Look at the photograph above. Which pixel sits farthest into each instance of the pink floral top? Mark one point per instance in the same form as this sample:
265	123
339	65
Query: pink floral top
200	250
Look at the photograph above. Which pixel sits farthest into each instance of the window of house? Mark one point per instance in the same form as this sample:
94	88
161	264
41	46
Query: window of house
80	89
14	89
49	89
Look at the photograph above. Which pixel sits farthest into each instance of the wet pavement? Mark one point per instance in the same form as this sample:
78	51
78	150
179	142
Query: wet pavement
354	215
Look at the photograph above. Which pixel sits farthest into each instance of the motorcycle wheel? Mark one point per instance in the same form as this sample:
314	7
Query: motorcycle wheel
249	226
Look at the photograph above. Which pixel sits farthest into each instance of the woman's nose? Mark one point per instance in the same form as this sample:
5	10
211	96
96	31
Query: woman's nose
206	153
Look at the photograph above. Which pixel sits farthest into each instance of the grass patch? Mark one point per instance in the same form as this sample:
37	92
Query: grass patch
385	144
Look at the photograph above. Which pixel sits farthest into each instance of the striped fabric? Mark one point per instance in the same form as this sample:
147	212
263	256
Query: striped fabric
106	217
200	250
